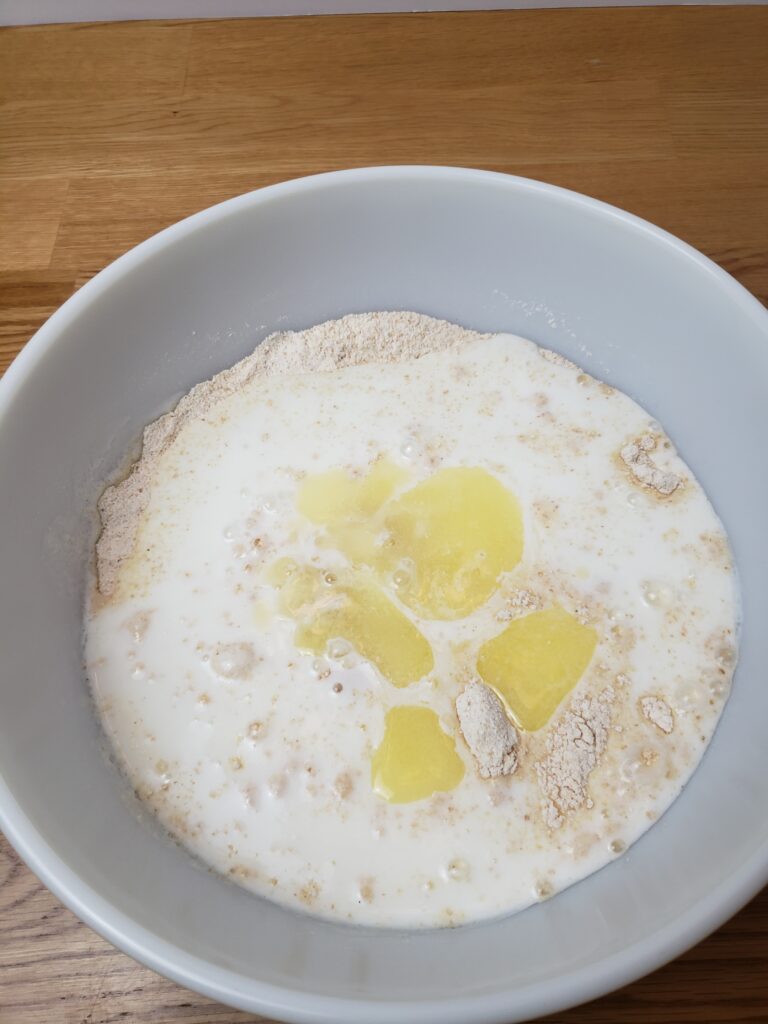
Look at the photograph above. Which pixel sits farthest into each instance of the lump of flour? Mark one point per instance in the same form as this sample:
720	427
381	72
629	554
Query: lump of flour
574	748
656	711
642	467
555	357
487	731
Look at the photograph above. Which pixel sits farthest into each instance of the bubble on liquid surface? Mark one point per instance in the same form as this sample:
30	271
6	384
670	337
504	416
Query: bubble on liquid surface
233	661
410	448
457	870
718	688
657	595
402	578
321	668
338	649
644	765
689	697
726	656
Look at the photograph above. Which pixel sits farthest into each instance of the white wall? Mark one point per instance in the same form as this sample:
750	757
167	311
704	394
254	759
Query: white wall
27	12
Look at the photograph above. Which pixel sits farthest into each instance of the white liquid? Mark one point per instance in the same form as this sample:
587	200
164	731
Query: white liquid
243	745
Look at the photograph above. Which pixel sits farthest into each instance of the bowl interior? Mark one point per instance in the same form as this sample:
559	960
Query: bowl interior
494	253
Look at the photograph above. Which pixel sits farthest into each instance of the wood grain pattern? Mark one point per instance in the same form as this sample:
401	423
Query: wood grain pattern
109	133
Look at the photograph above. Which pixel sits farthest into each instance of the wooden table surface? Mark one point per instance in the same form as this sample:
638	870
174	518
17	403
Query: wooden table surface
110	133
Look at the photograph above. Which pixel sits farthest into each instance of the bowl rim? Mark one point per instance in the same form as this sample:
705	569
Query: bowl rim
497	1007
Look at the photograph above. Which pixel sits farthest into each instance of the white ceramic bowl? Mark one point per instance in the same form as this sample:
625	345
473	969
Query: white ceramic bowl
634	306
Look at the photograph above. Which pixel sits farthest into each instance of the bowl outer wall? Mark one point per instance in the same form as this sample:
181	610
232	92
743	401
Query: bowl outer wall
626	300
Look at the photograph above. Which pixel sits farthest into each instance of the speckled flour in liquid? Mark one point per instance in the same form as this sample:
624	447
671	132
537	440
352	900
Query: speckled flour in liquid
406	625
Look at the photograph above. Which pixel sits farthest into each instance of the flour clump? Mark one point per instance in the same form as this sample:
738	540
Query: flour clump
574	748
642	467
487	731
656	710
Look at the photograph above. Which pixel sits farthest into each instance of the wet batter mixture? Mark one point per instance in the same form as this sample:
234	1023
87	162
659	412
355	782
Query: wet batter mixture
407	625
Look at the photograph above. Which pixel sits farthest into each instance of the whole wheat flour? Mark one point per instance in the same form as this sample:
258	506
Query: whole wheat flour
656	710
574	748
487	731
642	467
